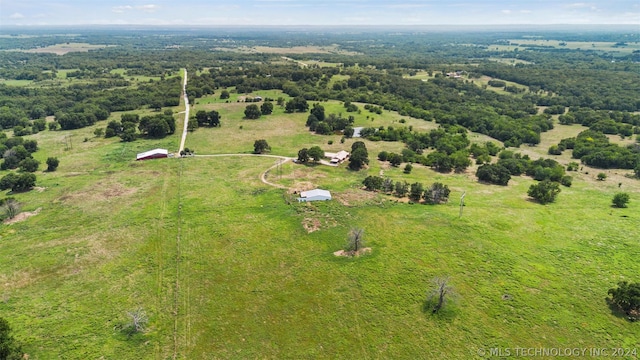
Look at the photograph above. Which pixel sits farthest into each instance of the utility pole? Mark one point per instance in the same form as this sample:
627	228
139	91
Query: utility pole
462	203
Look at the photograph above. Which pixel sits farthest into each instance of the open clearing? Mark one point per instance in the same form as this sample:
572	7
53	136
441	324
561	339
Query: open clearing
61	49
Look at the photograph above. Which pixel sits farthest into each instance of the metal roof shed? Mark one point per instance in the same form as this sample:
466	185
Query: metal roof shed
314	195
153	154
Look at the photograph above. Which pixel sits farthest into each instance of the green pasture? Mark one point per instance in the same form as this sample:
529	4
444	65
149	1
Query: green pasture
228	267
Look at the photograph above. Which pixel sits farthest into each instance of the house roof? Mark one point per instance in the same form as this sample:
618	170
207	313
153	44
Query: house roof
152	152
315	192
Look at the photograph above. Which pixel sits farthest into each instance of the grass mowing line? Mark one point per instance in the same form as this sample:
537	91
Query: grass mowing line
177	284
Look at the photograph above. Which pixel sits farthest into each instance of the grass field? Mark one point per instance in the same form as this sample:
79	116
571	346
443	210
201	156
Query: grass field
521	44
226	268
61	49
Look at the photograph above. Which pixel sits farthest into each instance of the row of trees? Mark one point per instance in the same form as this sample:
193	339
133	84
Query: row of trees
437	193
152	126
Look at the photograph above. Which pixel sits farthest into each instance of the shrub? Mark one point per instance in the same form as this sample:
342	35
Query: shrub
620	200
627	298
566	181
52	164
544	192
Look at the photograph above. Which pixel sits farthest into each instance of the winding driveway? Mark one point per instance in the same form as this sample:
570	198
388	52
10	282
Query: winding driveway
263	175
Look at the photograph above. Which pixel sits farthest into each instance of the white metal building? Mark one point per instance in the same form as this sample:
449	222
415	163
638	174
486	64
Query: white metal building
153	154
315	195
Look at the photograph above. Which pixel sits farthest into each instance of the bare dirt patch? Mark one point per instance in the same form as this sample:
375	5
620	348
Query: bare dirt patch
363	251
22	216
311	225
99	192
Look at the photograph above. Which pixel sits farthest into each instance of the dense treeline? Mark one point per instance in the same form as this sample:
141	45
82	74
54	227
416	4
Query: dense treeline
593	148
79	105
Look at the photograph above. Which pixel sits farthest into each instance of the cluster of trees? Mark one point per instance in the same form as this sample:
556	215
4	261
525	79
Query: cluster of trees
254	112
208	118
81	105
593	148
17	153
153	126
297	104
608	122
548	172
437	193
315	153
450	143
18	182
324	125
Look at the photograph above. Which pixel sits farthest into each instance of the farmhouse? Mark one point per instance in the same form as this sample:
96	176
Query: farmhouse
337	158
314	195
153	154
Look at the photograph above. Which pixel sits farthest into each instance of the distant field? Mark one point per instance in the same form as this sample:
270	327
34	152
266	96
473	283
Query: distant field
333	49
598	46
61	49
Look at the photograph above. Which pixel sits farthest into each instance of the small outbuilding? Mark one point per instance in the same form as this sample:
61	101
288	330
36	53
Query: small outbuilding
153	154
314	195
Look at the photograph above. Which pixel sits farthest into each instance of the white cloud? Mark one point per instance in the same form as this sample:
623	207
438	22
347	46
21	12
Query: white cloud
16	16
121	9
148	7
506	11
145	8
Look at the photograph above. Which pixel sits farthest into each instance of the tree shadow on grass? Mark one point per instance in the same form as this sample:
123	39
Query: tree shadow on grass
619	313
447	312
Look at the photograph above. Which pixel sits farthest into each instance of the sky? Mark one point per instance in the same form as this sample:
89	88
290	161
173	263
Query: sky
318	12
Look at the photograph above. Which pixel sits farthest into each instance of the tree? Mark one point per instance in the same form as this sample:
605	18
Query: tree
358	159
29	165
438	294
52	163
157	128
137	323
401	188
395	159
627	297
9	348
408	168
192	125
10	208
372	182
261	146
224	94
494	174
637	170
8	181
620	200
415	194
316	153
355	240
266	108
387	185
437	193
252	112
602	176
318	111
545	191
24	182
303	155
